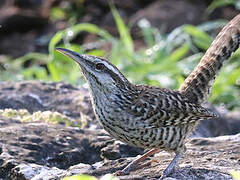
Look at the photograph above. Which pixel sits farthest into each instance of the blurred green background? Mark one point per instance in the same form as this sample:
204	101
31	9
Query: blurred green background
164	58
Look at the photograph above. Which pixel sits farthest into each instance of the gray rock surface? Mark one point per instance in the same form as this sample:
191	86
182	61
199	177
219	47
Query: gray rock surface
41	96
37	150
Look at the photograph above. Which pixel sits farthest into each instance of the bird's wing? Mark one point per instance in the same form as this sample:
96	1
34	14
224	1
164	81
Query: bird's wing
162	108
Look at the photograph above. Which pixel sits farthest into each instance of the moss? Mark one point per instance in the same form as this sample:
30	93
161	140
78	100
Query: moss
44	116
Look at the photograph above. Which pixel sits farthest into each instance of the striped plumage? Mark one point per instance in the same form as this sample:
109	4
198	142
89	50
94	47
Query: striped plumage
149	117
152	117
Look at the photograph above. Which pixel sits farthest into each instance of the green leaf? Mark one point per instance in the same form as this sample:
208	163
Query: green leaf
235	174
90	28
68	34
124	31
52	44
197	33
179	53
35	72
54	72
40	57
149	33
201	38
80	177
201	44
97	52
219	3
57	13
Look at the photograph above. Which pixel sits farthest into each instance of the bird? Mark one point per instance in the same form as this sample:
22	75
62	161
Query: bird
152	117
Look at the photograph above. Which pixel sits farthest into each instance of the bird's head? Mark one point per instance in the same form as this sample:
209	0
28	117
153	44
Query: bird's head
100	74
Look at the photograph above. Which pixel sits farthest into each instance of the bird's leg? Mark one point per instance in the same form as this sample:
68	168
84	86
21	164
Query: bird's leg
172	165
134	163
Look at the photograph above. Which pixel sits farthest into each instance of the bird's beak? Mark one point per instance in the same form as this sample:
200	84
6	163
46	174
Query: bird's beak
73	55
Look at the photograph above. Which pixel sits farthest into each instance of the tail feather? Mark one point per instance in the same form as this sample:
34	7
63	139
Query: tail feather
198	84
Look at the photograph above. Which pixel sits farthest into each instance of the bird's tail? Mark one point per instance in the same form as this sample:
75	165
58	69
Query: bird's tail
198	84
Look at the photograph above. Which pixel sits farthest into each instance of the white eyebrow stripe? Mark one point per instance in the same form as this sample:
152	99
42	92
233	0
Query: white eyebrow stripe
109	65
113	69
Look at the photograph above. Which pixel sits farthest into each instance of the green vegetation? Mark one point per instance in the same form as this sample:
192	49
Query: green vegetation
221	3
166	61
80	177
235	174
42	116
87	177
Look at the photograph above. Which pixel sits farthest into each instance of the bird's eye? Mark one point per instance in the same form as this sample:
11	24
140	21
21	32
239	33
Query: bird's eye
100	66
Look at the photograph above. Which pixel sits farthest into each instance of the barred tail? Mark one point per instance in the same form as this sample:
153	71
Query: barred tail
198	84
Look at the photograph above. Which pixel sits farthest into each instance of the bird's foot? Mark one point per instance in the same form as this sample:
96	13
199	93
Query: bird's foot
171	167
132	166
166	173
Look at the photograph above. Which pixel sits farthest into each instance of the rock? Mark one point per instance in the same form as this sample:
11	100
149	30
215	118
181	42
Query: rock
53	145
206	158
116	149
29	149
35	172
37	150
40	96
34	146
75	102
226	124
